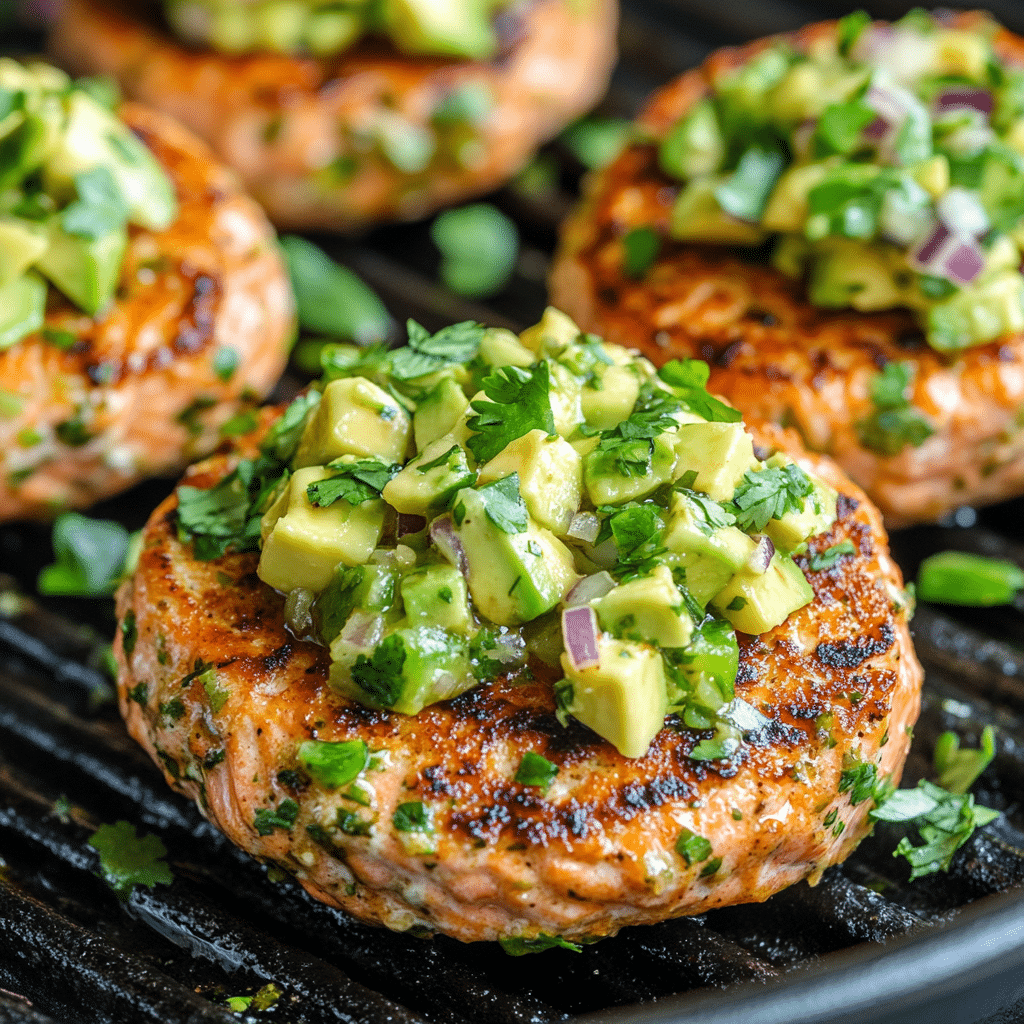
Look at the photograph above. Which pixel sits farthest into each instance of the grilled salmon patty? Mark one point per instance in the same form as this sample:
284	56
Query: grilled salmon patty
220	693
370	135
199	328
774	355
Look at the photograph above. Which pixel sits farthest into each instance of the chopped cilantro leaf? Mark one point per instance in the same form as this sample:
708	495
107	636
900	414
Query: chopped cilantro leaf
536	770
688	377
518	403
895	422
100	209
90	557
769	494
139	694
637	530
225	362
380	675
333	764
411	817
427	353
830	557
692	847
848	30
354	482
504	504
859	779
745	194
519	946
129	633
268	819
128	859
283	437
708	514
639	251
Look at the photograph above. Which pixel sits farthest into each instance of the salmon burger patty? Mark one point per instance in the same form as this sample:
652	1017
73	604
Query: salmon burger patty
923	409
198	328
370	134
489	810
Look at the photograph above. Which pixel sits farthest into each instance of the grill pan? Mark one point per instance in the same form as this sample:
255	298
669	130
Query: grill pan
863	946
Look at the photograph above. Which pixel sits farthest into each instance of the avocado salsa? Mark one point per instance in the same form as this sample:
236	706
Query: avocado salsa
72	178
885	161
440	513
455	28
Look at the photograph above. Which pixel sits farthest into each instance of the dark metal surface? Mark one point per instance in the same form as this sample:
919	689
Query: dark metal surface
864	946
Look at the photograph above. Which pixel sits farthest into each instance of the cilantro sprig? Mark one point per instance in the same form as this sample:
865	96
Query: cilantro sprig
428	353
688	378
354	482
769	493
517	402
895	422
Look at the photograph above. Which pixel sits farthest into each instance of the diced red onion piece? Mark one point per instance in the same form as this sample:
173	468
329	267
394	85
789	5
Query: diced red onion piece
410	524
965	262
590	588
961	211
878	129
363	630
761	556
964	98
874	43
446	540
579	628
584	526
925	253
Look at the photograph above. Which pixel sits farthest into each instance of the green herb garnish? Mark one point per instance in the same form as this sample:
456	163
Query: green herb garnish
768	494
831	556
268	819
895	423
90	557
536	770
333	764
128	859
692	847
354	482
957	577
518	402
478	246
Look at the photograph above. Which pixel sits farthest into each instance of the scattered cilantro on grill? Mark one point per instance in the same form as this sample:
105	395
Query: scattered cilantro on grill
517	402
769	494
830	557
957	769
354	482
427	353
959	577
128	859
90	556
519	946
536	770
268	819
895	422
333	764
504	504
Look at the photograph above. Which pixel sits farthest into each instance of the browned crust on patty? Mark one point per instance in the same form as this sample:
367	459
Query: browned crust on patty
141	376
595	852
776	357
281	121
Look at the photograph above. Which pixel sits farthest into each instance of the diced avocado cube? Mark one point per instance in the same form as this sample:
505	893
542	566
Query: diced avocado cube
25	145
22	242
628	470
553	333
408	670
354	417
332	30
710	553
427	483
610	398
933	175
623	698
86	270
565	397
708	666
794	529
303	544
456	28
650	608
438	412
550	477
280	25
513	577
95	137
22	308
694	145
370	588
964	53
697	217
978	313
756	603
787	206
436	595
499	347
720	453
848	273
